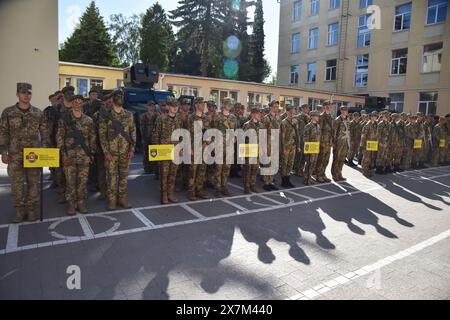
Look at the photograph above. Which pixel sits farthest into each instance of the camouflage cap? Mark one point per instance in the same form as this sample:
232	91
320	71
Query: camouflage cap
51	96
419	113
117	93
198	100
374	113
67	88
314	113
76	96
327	102
172	102
305	105
289	107
106	97
162	102
228	101
403	114
273	102
151	103
255	110
24	87
211	104
363	112
413	116
343	108
94	90
185	101
58	92
395	115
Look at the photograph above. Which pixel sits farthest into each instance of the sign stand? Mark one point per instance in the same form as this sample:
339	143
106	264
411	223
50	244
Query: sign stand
42	195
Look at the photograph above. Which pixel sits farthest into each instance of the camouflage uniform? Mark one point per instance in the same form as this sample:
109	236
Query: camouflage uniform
289	144
91	107
162	134
269	122
79	159
355	139
439	153
341	143
417	154
50	123
410	133
326	125
369	133
209	167
147	124
99	157
361	148
60	176
398	143
299	165
427	142
183	170
383	145
250	169
21	129
115	144
197	172
311	133
222	123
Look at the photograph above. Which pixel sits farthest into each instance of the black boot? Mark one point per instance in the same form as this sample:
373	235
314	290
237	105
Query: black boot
284	182
388	170
288	180
351	163
379	170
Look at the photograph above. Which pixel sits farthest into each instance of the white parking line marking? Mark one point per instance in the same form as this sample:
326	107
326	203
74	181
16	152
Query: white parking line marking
269	199
143	218
13	238
192	211
298	194
87	230
236	186
234	205
351	276
324	190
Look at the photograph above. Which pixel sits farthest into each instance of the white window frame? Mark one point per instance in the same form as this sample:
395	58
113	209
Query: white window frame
437	6
297	10
398	60
334	4
228	95
67	82
315	38
363	31
356	84
315	7
91	85
333	34
403	17
434	55
396	103
427	102
366	4
315	73
331	70
299	42
292	73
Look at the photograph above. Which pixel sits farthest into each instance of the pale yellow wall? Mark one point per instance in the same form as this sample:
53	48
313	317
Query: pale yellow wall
383	41
29	49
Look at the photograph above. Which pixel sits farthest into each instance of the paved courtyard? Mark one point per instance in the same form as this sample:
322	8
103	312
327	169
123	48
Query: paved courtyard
386	238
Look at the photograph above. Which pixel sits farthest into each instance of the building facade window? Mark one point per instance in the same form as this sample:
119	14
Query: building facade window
297	12
362	70
437	11
397	101
313	103
294	75
432	56
183	90
364	32
258	99
293	101
428	102
333	34
295	43
399	61
67	82
96	83
311	77
82	86
402	20
313	38
330	70
218	96
118	84
315	7
364	3
334	4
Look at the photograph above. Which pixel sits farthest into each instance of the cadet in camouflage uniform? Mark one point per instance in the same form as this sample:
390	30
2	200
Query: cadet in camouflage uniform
197	172
383	143
251	169
93	104
302	120
341	143
369	133
49	114
22	126
240	120
223	121
439	142
326	125
447	126
165	125
212	108
424	120
411	132
398	141
271	121
311	133
147	124
118	139
76	142
289	145
183	169
355	138
417	155
365	118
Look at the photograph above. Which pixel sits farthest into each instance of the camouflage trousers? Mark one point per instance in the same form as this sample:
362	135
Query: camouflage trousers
397	153
268	179
221	176
310	165
287	161
167	176
367	161
353	151
323	159
101	172
24	198
407	157
382	155
438	156
299	163
145	161
417	155
183	176
209	172
197	173
339	155
76	181
61	179
118	169
425	151
250	172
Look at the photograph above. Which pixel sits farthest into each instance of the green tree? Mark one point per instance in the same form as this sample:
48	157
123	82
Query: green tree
258	63
90	43
245	69
156	37
126	36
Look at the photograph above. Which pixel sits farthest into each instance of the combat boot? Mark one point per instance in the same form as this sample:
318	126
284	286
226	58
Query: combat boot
379	170
247	190
289	183
273	187
202	195
192	196
72	208
267	187
102	196
253	189
351	163
123	203
62	199
112	203
225	192
171	197
32	215
306	182
320	179
284	182
341	178
164	199
218	193
82	207
20	214
326	179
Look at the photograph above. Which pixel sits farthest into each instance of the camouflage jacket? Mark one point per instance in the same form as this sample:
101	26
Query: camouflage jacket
412	133
439	133
111	140
205	125
369	133
383	132
184	119
164	127
89	108
50	114
302	120
67	142
341	132
326	124
147	124
289	133
312	132
222	122
20	130
250	124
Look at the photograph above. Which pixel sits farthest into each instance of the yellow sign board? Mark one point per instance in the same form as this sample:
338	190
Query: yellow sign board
311	148
41	157
372	145
248	151
417	143
442	143
161	152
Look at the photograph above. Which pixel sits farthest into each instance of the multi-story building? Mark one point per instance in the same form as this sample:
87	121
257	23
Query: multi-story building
386	48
